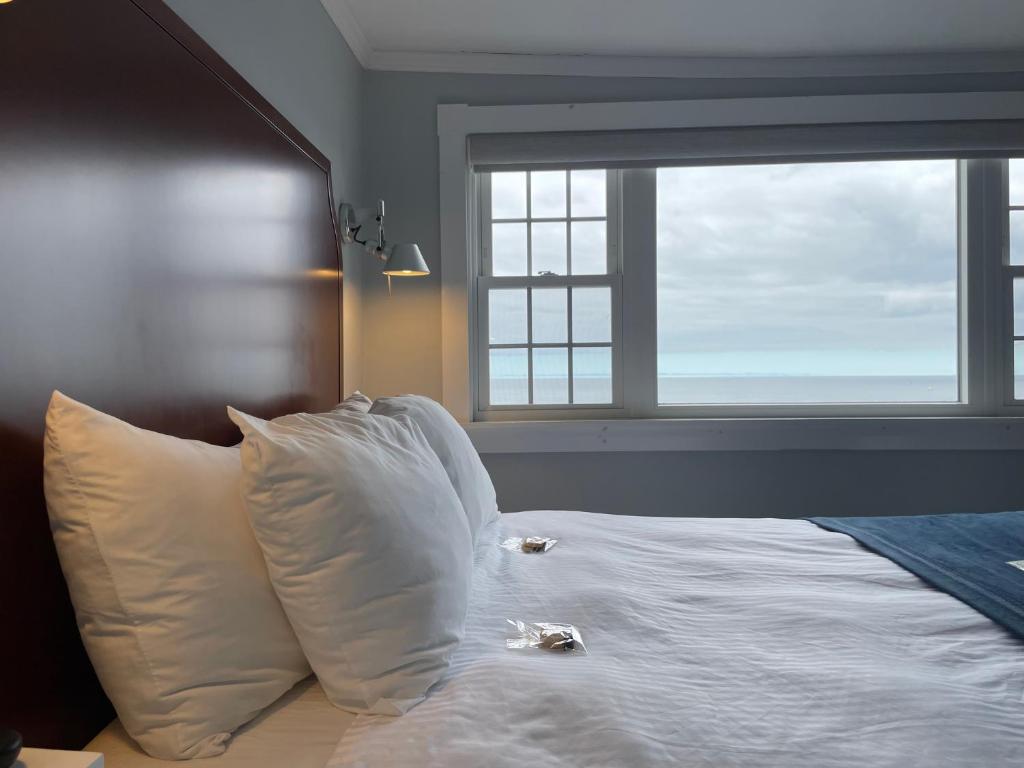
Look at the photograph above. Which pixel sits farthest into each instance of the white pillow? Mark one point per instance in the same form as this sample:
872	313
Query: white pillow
455	450
357	402
367	547
170	589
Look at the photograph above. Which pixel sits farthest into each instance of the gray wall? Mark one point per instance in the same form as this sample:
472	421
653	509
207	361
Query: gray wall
292	53
762	483
401	334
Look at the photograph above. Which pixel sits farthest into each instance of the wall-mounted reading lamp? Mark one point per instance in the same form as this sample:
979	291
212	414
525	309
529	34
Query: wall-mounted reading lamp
400	259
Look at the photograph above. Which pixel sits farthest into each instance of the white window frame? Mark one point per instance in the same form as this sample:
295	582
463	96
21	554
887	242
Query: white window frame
1008	273
986	337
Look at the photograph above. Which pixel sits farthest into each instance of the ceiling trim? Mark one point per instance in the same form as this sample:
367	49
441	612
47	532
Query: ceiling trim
344	19
467	62
697	67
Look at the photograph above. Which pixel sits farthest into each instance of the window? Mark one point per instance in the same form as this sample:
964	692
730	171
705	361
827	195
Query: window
549	290
808	283
836	288
1015	257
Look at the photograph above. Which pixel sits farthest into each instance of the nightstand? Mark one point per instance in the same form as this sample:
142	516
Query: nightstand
57	758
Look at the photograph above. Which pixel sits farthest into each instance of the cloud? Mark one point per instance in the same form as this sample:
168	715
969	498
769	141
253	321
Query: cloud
921	300
859	259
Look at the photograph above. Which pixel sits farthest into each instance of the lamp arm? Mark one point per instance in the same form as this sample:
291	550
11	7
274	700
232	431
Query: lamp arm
380	249
381	239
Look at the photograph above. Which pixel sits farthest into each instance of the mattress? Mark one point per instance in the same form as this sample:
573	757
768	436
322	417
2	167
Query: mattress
300	730
717	643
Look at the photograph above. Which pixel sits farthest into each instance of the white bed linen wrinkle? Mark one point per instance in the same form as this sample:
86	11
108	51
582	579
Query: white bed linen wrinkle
718	643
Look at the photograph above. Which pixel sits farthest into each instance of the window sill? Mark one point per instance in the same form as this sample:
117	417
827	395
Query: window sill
981	433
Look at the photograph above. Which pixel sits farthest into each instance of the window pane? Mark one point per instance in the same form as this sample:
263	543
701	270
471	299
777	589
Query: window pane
508	247
1018	307
808	283
591	314
507	316
592	375
508	195
551	376
589	193
1017	182
1018	370
510	371
589	248
547	194
1017	237
548	244
550	316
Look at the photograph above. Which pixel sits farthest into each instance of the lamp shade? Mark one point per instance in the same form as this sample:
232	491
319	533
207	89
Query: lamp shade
406	261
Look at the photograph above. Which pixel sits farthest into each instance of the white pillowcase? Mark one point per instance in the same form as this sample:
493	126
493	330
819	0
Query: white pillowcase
367	547
169	586
455	450
357	402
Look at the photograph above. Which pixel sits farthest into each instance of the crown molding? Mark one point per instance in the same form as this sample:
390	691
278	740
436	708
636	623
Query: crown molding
344	19
699	67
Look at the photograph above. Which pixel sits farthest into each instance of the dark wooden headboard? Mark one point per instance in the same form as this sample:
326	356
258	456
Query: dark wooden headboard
167	246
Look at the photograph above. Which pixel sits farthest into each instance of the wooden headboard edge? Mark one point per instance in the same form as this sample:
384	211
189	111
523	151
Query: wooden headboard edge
189	39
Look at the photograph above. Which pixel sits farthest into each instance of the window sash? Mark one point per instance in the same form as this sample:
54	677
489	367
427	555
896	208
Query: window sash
1008	274
486	281
483	263
484	347
985	286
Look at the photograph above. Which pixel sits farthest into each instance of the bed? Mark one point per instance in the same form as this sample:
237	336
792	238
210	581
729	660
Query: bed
300	730
746	642
711	642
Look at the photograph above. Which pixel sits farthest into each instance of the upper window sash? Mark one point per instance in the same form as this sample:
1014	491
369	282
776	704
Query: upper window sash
483	263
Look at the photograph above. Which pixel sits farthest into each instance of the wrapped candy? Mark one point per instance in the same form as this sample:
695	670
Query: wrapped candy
564	638
529	544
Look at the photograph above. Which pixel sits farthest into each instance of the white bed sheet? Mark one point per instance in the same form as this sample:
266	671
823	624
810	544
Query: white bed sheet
299	730
753	643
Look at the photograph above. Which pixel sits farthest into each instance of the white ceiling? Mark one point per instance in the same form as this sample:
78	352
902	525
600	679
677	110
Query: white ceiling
494	35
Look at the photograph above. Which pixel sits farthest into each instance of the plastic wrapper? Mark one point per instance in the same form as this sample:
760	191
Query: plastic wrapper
530	544
558	638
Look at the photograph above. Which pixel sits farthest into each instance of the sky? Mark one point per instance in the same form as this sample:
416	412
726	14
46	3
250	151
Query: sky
810	269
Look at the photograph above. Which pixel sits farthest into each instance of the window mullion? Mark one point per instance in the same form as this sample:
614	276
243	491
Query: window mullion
1002	274
998	285
984	331
638	235
569	346
483	352
987	321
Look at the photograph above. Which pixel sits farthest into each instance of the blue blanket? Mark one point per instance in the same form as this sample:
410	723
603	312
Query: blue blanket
967	556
